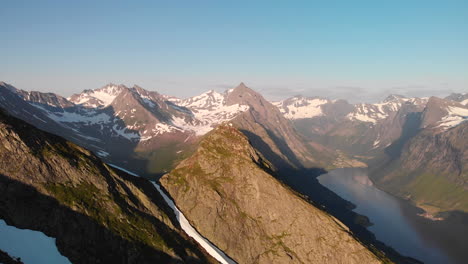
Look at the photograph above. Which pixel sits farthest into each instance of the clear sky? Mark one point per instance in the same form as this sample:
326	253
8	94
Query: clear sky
358	50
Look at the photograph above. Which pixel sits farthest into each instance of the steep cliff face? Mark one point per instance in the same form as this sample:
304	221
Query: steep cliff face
430	164
227	191
273	135
96	214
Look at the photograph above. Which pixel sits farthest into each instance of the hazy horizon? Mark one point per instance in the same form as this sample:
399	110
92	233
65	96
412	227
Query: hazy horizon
265	92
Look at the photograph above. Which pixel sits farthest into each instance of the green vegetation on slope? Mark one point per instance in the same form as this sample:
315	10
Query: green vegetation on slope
433	192
88	198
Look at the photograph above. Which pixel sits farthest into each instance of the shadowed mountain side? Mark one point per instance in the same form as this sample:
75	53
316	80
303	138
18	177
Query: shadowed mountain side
116	132
264	120
51	185
428	163
410	128
305	182
227	191
265	149
442	233
78	237
7	259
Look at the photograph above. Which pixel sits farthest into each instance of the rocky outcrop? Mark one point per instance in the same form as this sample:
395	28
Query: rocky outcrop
227	191
96	214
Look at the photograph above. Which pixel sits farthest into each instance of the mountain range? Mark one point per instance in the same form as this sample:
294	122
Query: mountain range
234	163
99	214
415	147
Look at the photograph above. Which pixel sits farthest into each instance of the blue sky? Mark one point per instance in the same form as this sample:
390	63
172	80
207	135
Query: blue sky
359	50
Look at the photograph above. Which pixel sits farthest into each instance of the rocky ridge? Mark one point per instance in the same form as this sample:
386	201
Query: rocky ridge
227	191
96	214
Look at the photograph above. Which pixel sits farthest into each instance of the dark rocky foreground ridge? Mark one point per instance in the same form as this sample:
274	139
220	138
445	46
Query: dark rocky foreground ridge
96	214
228	192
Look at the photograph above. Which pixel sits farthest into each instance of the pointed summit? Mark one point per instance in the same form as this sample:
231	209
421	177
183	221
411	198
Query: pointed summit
242	94
242	85
241	88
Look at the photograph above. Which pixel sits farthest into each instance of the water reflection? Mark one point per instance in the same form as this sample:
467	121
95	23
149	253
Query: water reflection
396	221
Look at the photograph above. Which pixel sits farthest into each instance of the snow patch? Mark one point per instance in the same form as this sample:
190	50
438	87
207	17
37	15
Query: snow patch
124	170
102	153
89	117
122	132
302	108
40	119
455	116
104	96
190	231
376	143
209	109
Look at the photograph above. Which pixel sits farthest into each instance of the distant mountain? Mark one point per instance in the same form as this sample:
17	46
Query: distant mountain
275	136
359	129
431	166
124	125
97	214
415	146
459	97
151	133
227	190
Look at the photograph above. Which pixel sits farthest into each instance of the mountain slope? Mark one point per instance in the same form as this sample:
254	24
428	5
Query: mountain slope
363	130
141	129
96	214
273	135
430	167
227	191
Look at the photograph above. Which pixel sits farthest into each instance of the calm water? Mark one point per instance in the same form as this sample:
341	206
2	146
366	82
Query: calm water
397	223
30	246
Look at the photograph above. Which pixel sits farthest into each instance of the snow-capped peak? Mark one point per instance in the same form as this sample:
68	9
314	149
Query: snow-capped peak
372	113
299	107
98	98
209	109
207	100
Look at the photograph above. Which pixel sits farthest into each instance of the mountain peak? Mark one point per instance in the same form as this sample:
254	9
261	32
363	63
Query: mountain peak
242	94
393	97
100	97
241	87
8	86
242	84
236	181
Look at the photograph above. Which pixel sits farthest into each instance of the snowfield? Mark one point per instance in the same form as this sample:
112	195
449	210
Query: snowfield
189	230
455	116
302	108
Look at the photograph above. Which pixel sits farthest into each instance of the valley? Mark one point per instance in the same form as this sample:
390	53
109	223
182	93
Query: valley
398	223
